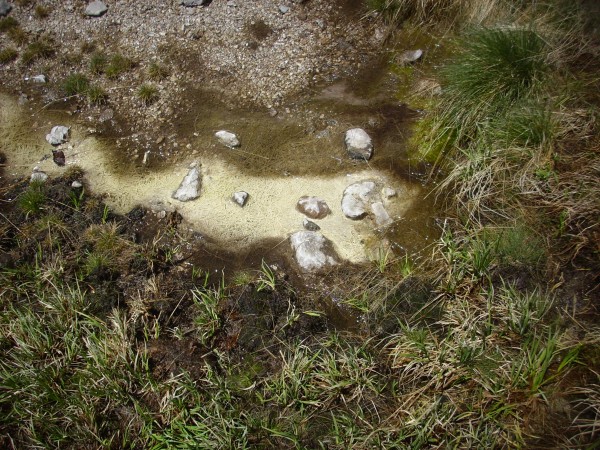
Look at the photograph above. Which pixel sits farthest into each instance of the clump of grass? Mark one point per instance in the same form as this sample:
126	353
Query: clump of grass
96	95
32	201
18	35
118	65
8	23
88	47
76	84
7	55
157	72
41	48
98	63
41	12
497	69
148	94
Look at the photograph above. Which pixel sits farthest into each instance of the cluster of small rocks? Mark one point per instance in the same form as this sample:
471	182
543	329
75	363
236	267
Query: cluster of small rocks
312	250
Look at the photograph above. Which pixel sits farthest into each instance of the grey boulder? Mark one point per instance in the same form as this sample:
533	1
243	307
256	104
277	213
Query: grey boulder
58	135
358	144
189	189
312	250
38	176
95	9
5	7
382	217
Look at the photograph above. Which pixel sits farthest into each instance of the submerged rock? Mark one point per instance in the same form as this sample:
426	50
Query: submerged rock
313	207
358	144
388	192
382	217
310	225
95	9
58	156
240	197
312	250
189	189
357	198
227	138
58	135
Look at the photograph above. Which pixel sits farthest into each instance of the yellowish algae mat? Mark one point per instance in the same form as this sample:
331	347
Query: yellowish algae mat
269	213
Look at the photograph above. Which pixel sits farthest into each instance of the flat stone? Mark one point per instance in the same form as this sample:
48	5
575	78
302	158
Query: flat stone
310	225
240	197
189	189
284	9
76	184
95	9
357	198
313	207
382	217
358	144
312	250
5	7
227	138
37	79
58	135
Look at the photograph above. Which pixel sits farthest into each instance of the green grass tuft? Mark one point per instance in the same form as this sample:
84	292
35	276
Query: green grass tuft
148	94
76	84
7	55
8	23
117	66
41	12
98	63
41	48
157	72
96	95
32	201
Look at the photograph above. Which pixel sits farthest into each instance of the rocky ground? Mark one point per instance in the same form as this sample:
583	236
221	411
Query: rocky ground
264	54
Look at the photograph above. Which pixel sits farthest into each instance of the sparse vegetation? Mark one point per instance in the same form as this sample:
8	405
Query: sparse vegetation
76	84
41	48
96	95
148	94
98	63
41	12
118	65
7	55
8	23
157	72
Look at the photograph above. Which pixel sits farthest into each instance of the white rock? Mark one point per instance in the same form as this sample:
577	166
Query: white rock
37	79
313	207
410	56
284	9
58	135
382	217
357	198
358	144
312	250
227	138
189	189
95	9
240	197
76	184
38	175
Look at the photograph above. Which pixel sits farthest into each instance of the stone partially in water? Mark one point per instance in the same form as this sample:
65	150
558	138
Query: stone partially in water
240	197
312	250
388	192
357	198
189	189
313	207
95	9
358	144
58	135
38	176
382	217
227	138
